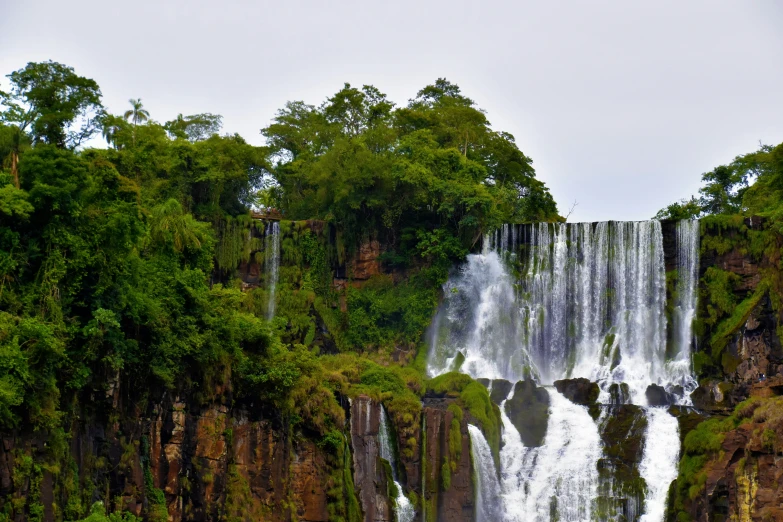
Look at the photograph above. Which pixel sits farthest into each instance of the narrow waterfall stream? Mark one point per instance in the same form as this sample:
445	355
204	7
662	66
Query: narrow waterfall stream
271	263
561	301
488	499
402	506
659	463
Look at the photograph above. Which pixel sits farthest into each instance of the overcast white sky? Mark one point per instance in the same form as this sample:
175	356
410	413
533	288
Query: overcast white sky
621	105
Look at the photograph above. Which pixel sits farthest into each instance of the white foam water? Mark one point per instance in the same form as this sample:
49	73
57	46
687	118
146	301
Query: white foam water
659	461
559	480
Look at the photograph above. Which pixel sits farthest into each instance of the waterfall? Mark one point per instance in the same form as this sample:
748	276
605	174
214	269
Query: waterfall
580	278
562	301
589	301
271	263
402	506
480	319
488	499
559	480
684	312
659	461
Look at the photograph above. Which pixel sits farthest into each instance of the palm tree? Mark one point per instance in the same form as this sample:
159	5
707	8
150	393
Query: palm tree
111	126
137	114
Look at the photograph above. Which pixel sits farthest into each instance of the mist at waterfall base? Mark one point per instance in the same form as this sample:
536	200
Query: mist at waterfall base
558	301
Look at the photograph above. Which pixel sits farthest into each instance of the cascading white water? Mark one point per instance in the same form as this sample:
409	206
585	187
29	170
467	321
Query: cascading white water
271	263
488	499
481	320
684	312
559	480
403	507
593	300
659	461
589	302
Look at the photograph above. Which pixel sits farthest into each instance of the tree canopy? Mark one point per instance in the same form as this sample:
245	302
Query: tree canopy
752	184
374	169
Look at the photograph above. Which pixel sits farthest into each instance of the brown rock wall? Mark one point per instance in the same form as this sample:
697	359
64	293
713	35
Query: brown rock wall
207	463
455	502
744	482
369	475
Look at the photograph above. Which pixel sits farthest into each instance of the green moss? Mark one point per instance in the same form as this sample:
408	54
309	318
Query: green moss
475	399
239	504
391	488
718	290
459	360
455	436
382	313
704	443
445	475
156	510
739	316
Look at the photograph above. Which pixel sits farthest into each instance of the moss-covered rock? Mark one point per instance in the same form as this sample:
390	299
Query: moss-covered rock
580	391
528	410
499	390
621	489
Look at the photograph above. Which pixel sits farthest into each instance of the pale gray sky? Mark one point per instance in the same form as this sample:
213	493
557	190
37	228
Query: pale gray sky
622	105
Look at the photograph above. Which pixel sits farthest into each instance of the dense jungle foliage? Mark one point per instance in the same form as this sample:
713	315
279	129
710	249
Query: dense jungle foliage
751	185
119	264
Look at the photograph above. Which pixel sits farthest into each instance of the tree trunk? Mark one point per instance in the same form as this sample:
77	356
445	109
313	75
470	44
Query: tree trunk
15	167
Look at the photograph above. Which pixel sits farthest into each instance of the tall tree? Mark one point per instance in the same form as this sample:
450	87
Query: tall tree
110	126
137	113
54	104
196	127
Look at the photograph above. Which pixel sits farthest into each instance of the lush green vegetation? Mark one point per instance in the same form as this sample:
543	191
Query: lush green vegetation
118	265
427	179
752	184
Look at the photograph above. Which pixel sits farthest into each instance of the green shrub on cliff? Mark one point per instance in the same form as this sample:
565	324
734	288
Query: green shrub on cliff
98	514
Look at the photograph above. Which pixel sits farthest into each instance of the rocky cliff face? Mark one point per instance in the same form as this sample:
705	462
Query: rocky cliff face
742	480
180	458
743	360
180	462
448	485
370	478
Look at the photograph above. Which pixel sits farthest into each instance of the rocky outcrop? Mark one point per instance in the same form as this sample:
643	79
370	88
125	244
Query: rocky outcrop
528	410
448	489
621	486
658	396
370	478
744	482
579	391
753	355
755	351
499	390
367	262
